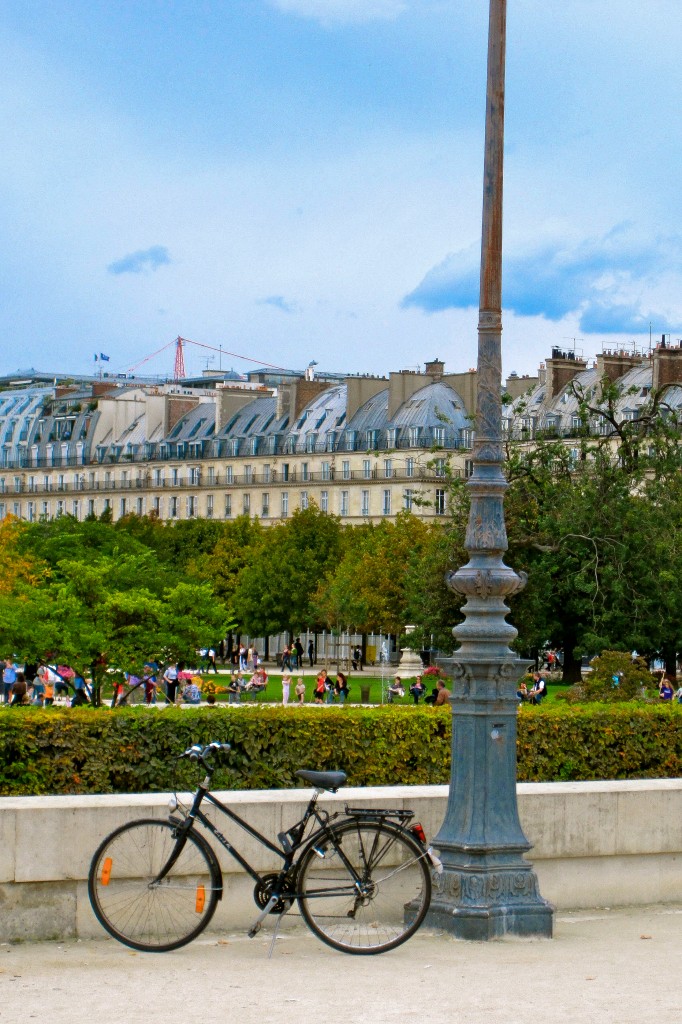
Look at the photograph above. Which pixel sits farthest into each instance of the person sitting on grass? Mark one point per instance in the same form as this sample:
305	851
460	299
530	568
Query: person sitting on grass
341	687
191	694
395	689
300	691
417	689
257	682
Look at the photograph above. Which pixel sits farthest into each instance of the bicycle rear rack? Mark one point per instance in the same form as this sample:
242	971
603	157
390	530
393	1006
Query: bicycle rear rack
374	813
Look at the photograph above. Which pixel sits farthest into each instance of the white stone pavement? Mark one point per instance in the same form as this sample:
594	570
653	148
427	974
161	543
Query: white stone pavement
606	967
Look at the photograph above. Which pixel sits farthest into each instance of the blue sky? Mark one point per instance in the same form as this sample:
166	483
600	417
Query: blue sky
301	179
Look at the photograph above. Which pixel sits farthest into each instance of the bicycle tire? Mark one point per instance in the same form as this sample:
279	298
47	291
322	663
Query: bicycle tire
395	877
156	918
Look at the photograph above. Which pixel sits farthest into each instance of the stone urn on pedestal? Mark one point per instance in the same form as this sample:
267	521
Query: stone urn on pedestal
410	661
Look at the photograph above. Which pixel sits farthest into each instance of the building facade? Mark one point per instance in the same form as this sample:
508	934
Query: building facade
361	447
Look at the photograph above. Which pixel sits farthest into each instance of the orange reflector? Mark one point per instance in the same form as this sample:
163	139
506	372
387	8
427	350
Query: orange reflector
106	871
201	899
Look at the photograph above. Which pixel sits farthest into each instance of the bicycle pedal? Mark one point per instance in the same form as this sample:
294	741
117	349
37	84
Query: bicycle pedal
254	931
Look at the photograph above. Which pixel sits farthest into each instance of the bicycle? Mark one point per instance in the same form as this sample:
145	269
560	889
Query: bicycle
361	878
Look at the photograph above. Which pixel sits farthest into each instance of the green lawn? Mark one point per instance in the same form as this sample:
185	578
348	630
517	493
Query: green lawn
356	681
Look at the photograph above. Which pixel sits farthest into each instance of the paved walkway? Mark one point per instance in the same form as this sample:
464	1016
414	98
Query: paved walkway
602	967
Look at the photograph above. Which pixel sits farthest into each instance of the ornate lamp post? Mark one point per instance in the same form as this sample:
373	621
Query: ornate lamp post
487	888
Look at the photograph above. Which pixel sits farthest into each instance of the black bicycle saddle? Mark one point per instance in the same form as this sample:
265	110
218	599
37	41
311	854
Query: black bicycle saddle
323	780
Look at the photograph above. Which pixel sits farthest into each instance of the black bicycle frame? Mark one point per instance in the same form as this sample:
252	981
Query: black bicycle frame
196	814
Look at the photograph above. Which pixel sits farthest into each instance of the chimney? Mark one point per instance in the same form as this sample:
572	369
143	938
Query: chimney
614	364
667	366
561	369
435	369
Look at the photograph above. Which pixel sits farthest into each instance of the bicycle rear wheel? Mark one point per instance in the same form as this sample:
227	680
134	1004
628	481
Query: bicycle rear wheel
141	912
367	889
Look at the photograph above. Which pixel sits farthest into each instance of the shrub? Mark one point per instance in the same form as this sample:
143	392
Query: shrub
133	750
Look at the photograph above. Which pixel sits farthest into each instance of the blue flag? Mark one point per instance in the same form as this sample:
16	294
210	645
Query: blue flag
103	357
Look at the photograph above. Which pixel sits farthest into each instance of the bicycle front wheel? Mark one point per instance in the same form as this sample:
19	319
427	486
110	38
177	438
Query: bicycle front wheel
141	911
366	889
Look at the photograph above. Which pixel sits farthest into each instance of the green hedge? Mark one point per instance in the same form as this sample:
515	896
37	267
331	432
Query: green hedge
133	750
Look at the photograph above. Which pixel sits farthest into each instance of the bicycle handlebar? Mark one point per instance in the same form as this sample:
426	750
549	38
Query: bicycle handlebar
199	753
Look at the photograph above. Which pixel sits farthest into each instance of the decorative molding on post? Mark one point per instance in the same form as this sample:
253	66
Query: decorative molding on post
487	888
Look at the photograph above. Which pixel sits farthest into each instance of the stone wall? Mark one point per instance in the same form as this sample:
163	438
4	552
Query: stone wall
595	844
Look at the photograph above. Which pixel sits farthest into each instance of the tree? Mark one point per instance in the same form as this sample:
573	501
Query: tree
97	613
275	590
369	588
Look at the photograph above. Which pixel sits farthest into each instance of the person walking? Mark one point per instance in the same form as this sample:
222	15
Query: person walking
311	653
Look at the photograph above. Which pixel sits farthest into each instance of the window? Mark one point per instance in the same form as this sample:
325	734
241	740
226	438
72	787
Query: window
75	508
367	468
234	446
31	484
229	474
386	505
194	475
209	506
310	442
345	469
174	477
372	438
158	477
31	512
173	512
91	506
439	435
246	504
304	499
468	468
304	472
344	503
324	501
228	506
409	467
191	506
285	471
285	504
326	471
248	474
2	509
211	475
45	510
408	494
60	482
265	505
122	507
60	508
440	501
330	441
414	437
253	445
391	437
107	504
266	474
440	467
365	503
388	468
351	436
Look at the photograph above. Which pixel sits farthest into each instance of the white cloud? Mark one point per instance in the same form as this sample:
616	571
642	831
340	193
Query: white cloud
342	11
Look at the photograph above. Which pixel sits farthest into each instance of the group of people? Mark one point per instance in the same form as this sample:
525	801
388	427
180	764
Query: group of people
39	684
439	693
292	655
532	691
